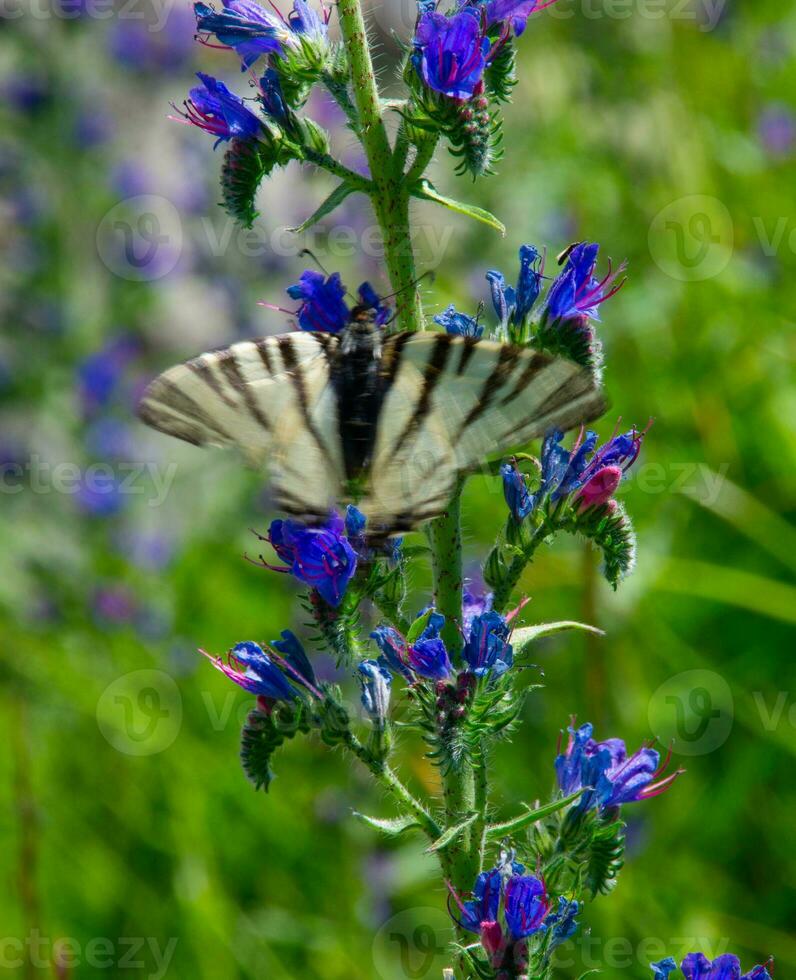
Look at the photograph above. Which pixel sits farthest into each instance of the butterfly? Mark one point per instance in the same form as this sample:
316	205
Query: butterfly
391	422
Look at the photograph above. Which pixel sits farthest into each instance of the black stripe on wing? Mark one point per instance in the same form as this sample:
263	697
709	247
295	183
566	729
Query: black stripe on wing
230	367
432	372
164	393
296	375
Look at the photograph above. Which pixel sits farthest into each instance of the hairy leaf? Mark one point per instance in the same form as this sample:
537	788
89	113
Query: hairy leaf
425	190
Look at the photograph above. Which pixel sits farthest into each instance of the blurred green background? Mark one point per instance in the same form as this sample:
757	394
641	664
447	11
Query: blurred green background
662	130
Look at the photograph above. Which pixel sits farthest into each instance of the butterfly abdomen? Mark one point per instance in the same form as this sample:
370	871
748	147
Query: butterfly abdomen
357	382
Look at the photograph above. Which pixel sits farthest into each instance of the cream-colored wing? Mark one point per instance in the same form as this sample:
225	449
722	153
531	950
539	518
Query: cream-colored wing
453	402
271	399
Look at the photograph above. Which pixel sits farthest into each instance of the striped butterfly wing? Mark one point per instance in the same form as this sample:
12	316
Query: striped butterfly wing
269	398
455	401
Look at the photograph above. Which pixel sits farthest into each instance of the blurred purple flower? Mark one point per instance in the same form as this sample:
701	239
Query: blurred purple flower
776	128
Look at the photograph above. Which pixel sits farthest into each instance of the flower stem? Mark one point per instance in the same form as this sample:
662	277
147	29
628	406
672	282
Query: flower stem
445	537
390	780
390	196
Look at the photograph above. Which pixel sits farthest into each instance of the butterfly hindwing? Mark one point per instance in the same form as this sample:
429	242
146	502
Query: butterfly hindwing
454	402
271	399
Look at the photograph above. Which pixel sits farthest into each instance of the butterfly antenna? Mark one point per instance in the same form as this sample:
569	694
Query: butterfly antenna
315	259
412	285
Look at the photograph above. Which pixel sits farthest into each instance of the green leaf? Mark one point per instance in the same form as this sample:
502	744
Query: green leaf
449	836
392	828
531	817
426	191
418	626
523	637
336	198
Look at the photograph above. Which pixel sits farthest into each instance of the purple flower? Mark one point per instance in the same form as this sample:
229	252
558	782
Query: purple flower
376	682
515	12
250	667
272	98
295	656
254	31
518	497
696	966
219	112
426	657
320	557
485	903
486	649
576	292
609	776
522	899
100	374
514	304
776	128
459	323
663	968
562	922
245	26
593	474
474	605
526	906
323	307
450	52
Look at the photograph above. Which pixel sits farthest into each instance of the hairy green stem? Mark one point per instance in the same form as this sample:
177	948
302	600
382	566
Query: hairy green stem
445	537
519	563
425	154
390	780
389	194
481	804
327	162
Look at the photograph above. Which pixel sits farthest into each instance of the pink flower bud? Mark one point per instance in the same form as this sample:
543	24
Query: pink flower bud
599	488
493	942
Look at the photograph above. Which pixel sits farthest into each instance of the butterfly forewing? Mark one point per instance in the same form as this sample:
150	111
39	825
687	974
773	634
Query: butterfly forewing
472	400
270	398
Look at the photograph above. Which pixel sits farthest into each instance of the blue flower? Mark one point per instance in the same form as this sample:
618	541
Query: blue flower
562	922
576	292
245	26
663	968
305	21
376	682
220	112
518	497
514	304
323	307
459	323
485	903
609	776
526	906
427	657
320	557
696	966
272	98
450	52
355	522
295	656
260	675
101	373
487	649
516	12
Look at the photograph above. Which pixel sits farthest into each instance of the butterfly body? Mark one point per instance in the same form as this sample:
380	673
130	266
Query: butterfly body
390	421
